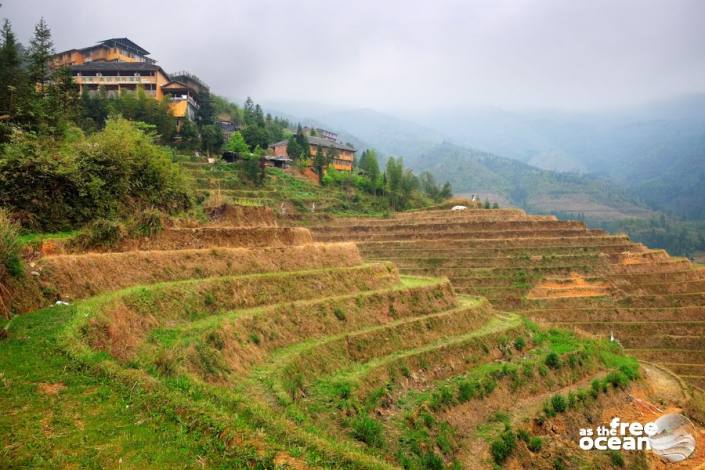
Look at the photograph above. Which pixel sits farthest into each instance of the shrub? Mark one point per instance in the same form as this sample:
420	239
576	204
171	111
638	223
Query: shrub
617	379
519	343
503	447
210	361
10	258
534	444
342	390
559	403
552	360
467	390
441	398
431	461
54	186
148	223
631	371
104	233
367	430
339	313
523	435
488	386
165	363
293	382
616	458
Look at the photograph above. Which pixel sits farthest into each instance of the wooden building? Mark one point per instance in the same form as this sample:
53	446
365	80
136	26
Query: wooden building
119	65
344	153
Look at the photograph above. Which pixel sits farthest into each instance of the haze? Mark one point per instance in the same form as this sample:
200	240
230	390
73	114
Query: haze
406	56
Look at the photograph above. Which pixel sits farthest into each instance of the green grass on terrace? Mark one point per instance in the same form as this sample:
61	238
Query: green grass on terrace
54	414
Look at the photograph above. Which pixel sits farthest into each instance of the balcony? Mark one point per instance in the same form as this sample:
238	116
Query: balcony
113	79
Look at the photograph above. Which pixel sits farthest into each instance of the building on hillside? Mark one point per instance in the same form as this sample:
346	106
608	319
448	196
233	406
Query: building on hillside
185	92
323	133
119	65
110	50
118	77
344	153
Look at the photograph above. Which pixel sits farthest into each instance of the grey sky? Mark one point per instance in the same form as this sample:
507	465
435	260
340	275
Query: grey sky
405	55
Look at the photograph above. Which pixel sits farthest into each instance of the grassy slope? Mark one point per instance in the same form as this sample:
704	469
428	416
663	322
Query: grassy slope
90	422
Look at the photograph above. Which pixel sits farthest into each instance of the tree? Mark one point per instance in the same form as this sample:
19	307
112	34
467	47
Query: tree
94	110
41	48
429	185
447	191
256	136
394	173
62	99
10	70
292	148
320	163
236	143
249	112
211	138
206	111
369	166
188	137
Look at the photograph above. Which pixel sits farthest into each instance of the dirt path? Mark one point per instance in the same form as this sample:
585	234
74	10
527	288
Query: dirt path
662	384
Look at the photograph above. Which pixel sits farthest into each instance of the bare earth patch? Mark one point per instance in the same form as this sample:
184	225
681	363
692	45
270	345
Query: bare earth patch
50	389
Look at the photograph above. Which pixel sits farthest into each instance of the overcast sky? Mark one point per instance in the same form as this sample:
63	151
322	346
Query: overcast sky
405	55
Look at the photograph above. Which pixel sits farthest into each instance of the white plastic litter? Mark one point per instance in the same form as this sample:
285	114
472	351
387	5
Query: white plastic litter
458	208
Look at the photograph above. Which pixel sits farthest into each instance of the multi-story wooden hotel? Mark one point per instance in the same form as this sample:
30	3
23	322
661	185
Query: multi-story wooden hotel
119	65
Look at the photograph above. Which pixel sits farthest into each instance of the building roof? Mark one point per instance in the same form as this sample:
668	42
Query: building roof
321	142
125	43
100	66
177	85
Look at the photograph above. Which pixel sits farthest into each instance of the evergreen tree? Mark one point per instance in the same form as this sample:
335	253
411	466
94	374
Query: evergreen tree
211	138
446	191
63	98
320	163
370	167
236	143
206	111
249	112
293	149
259	116
11	79
41	48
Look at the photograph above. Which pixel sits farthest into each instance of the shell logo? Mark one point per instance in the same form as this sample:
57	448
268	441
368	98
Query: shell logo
674	440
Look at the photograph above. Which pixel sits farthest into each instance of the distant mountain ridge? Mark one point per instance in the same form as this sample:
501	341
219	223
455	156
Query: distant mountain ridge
471	171
656	151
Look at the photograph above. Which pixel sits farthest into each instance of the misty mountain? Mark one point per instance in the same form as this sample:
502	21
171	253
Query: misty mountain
656	151
653	154
509	181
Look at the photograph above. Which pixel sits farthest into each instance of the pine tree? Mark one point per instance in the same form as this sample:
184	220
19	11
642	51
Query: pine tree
320	163
10	70
41	48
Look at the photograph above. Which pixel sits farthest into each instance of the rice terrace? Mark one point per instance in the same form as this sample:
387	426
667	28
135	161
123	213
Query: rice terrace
188	282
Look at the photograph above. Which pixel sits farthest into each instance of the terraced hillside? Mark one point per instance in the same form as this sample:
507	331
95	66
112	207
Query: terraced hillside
557	271
266	350
292	196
